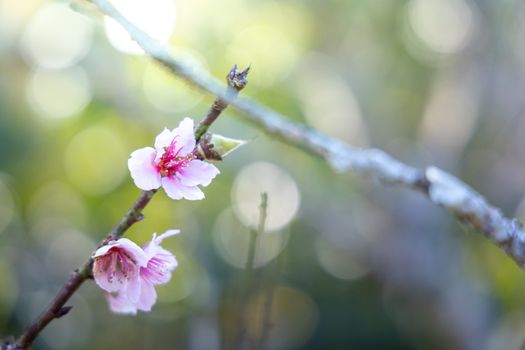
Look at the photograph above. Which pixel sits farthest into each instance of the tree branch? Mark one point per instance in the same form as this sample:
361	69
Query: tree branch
56	309
236	82
440	187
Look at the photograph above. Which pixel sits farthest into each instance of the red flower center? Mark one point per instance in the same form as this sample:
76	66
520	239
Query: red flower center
170	162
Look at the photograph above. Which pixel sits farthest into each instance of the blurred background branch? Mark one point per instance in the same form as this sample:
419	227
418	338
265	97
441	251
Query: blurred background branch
242	340
441	188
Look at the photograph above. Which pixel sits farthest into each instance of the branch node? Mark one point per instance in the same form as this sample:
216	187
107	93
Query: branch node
64	310
238	79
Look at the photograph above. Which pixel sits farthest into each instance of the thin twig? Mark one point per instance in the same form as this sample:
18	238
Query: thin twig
56	308
440	187
266	323
269	292
236	82
263	210
255	235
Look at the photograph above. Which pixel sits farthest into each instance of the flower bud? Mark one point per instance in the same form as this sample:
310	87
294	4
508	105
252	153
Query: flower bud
215	147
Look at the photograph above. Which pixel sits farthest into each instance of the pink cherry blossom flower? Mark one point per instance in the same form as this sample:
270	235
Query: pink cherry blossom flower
157	270
116	267
172	164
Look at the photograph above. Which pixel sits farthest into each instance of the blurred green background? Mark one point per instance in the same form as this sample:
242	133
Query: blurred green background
352	265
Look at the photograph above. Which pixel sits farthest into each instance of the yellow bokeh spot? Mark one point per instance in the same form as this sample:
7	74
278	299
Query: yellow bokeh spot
95	160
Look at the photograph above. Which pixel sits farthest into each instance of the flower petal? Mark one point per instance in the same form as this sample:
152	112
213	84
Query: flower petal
150	247
104	249
133	289
104	273
148	297
197	172
185	136
163	140
143	170
117	264
115	272
192	193
171	186
176	190
160	238
159	268
131	248
119	304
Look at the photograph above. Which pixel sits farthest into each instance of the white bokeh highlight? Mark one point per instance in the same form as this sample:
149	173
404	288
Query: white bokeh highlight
443	26
329	103
155	17
283	195
451	114
338	261
93	160
232	240
56	37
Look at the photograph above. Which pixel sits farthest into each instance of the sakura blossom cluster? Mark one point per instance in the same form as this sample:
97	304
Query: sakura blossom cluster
128	273
172	164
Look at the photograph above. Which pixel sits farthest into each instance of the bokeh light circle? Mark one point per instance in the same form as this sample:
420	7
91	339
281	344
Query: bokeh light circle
55	207
155	17
283	195
443	26
58	94
231	240
56	37
338	261
329	103
294	316
95	160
